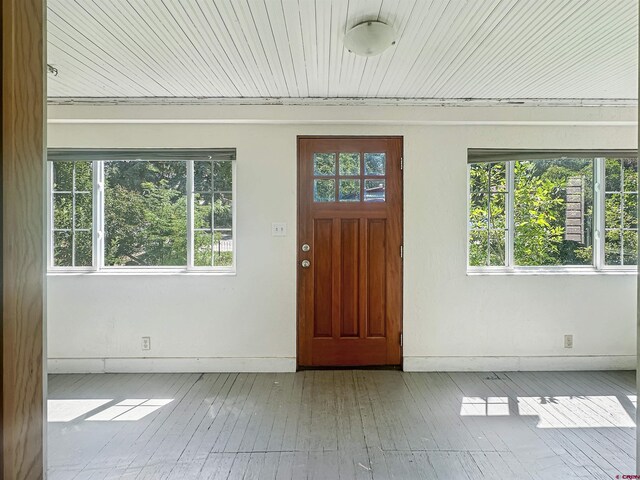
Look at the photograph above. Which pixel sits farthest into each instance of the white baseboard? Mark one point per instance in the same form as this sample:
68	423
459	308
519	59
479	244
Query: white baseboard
288	364
515	364
171	365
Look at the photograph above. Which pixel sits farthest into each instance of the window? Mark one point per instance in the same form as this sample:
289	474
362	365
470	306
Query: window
621	208
351	178
140	209
552	209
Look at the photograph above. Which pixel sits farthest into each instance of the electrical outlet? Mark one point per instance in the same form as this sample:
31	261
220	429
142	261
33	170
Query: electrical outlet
279	229
568	341
146	343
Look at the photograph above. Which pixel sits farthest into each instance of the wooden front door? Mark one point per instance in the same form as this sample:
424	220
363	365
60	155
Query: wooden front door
349	251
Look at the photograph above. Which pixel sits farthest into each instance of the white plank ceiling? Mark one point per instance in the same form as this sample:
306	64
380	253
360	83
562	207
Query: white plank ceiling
446	49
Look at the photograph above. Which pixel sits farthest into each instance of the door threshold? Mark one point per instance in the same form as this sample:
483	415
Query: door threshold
357	367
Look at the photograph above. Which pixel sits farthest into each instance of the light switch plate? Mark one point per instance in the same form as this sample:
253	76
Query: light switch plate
279	229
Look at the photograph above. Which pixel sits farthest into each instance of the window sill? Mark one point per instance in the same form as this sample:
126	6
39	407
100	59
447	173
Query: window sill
142	272
552	271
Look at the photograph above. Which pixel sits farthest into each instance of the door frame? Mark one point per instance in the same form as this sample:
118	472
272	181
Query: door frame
298	239
23	416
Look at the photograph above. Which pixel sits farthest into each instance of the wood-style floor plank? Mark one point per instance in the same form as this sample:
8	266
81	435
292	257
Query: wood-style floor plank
345	424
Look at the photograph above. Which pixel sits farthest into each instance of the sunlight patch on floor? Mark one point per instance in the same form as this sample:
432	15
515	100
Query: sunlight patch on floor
590	411
131	409
69	409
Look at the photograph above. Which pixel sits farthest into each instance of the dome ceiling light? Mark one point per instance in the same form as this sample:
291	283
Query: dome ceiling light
370	38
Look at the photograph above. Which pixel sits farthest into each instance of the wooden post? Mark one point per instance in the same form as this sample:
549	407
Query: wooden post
23	281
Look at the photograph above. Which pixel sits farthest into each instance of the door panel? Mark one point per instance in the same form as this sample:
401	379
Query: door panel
350	277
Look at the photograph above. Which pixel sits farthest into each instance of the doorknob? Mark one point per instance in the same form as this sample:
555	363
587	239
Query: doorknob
306	264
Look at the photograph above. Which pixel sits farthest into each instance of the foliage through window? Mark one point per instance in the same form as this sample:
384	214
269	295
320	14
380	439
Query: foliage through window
141	213
547	212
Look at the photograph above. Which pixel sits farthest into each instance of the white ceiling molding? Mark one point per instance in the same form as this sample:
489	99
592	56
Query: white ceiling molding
341	115
410	102
276	49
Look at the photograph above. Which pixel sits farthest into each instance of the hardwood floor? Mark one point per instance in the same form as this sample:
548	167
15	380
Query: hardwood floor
345	424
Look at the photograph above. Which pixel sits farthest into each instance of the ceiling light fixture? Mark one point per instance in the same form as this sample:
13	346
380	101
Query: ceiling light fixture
370	38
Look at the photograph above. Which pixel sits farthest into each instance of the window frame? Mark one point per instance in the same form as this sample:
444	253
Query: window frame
598	265
98	232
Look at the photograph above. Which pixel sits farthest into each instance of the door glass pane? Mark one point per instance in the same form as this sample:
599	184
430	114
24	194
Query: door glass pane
349	190
324	190
349	164
375	164
374	190
324	164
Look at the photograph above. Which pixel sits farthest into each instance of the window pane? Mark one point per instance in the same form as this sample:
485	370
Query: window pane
83	245
498	210
84	211
349	190
63	211
324	190
621	211
349	163
497	241
498	177
630	210
202	211
479	211
374	190
223	176
479	177
62	176
145	213
222	217
375	164
553	212
478	249
613	210
202	176
613	247
324	164
62	249
203	251
612	175
630	174
84	176
222	249
630	247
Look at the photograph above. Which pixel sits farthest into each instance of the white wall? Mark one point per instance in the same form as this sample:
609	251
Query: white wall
452	321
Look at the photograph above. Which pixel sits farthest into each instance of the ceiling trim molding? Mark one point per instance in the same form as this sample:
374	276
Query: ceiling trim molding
351	101
250	121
